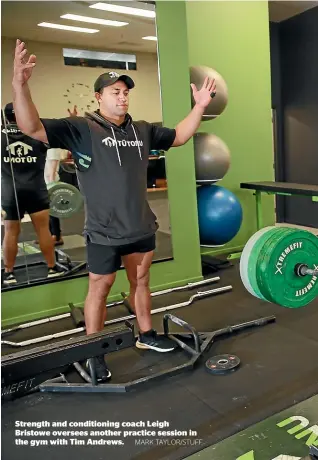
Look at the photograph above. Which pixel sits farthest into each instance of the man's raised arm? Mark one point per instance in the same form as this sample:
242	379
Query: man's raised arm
26	114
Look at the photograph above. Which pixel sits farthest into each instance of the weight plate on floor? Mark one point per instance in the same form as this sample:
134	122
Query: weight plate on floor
222	364
248	263
65	199
275	268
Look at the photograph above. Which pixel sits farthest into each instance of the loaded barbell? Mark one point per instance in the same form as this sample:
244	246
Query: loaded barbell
65	199
280	265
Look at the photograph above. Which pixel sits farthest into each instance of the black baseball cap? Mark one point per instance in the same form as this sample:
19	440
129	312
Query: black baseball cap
109	78
9	112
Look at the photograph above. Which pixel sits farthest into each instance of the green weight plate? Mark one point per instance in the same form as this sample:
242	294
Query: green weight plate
248	265
65	200
253	260
250	256
276	236
259	250
275	268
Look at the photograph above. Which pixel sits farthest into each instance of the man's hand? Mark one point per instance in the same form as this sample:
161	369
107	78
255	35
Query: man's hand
187	127
50	179
23	66
203	96
73	113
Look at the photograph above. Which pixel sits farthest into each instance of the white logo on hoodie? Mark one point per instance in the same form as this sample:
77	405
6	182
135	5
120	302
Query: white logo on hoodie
111	142
19	153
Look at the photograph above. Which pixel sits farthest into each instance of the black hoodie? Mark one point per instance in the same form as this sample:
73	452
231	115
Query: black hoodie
23	156
112	166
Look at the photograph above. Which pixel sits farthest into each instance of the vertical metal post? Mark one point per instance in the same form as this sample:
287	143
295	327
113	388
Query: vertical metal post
259	217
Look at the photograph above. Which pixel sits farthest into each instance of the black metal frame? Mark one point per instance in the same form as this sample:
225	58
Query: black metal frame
24	370
202	341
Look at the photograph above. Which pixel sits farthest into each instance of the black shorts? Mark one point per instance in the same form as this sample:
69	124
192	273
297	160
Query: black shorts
30	201
104	260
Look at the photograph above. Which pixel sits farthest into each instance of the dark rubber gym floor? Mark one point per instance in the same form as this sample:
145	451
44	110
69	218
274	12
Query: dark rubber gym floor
279	368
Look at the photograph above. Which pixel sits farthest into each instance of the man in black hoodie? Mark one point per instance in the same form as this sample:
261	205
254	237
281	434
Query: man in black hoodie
23	190
111	156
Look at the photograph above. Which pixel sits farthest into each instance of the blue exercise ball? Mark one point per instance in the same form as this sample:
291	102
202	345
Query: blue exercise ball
220	214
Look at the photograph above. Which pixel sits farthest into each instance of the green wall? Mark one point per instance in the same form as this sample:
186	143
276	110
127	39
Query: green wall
53	298
233	39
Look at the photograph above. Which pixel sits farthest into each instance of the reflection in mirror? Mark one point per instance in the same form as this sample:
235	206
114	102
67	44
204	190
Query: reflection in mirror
10	215
24	198
71	53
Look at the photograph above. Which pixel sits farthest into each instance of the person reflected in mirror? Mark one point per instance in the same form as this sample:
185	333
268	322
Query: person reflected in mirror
51	174
23	191
111	154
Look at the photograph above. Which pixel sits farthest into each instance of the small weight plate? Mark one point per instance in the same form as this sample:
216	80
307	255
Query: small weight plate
65	199
222	364
275	269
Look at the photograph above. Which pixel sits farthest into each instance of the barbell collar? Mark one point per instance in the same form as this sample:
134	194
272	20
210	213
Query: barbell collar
304	270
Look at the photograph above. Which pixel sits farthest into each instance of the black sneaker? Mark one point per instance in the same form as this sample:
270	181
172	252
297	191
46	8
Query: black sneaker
150	340
102	372
55	272
8	278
